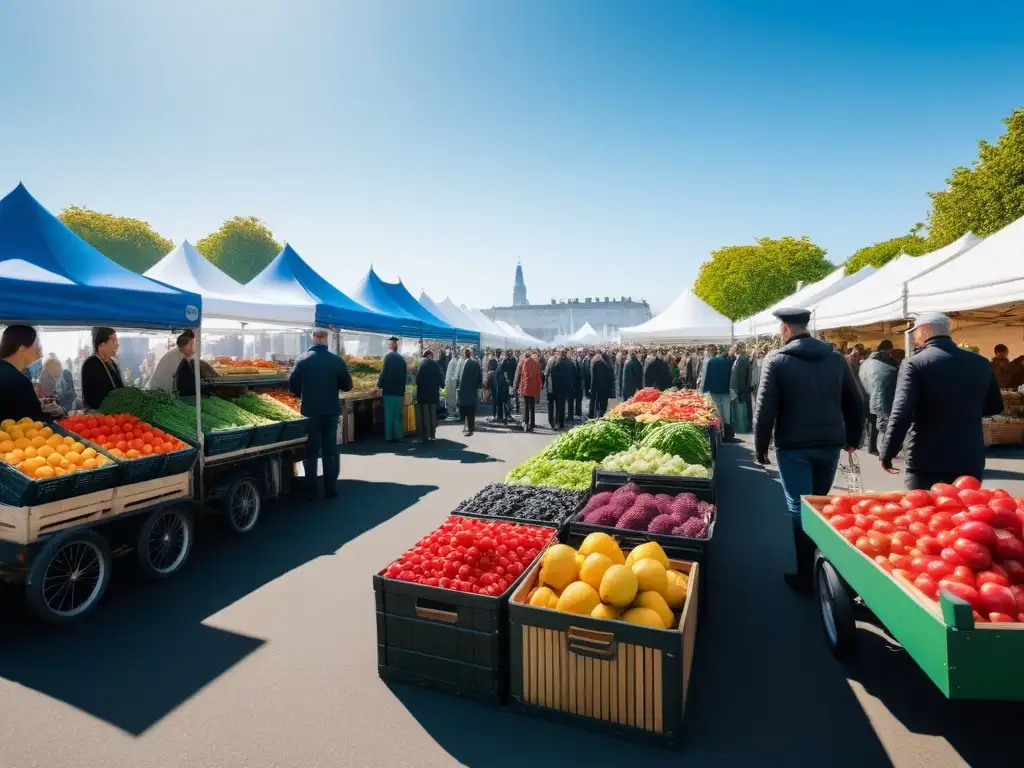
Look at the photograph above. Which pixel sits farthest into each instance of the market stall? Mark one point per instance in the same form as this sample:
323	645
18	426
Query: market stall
67	504
687	319
416	322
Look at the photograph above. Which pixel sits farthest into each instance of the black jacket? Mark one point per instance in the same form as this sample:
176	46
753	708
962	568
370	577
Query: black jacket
602	380
471	379
17	395
807	395
657	374
317	377
583	381
942	393
98	380
507	372
632	377
563	377
429	380
393	372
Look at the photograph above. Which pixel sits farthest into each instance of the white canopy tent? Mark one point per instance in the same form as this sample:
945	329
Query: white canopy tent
764	323
686	319
879	298
516	337
585	334
460	319
989	275
226	303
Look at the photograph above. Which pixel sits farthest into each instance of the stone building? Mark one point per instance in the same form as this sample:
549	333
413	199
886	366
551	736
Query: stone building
563	317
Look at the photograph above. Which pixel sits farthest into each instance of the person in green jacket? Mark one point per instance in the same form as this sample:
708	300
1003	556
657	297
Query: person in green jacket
391	384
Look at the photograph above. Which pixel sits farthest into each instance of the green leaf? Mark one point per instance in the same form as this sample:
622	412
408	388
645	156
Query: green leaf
130	242
242	247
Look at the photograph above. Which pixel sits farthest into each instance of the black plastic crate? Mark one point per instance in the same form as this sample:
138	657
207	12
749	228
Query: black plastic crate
121	471
227	440
92	480
141	469
267	434
294	429
703	487
20	490
695	550
179	461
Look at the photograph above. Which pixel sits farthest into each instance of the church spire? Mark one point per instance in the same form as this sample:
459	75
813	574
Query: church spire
519	291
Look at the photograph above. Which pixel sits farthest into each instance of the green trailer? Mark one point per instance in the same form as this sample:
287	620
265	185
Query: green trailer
965	660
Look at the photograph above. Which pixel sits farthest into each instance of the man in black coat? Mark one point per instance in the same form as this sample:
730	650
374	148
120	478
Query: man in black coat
657	374
429	380
580	382
942	394
632	376
602	384
317	378
808	397
564	376
506	375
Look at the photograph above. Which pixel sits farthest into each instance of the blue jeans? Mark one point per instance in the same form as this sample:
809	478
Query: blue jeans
806	472
323	442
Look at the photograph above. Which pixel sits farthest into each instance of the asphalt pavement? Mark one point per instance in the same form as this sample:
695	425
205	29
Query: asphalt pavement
261	652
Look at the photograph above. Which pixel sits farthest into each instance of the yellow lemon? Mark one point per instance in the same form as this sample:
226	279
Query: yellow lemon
651	575
89	464
4	435
656	603
603	543
54	440
54	459
594	567
643	616
78	448
579	597
544	597
16	456
58	471
16	433
69	440
675	592
603	611
26	421
558	566
44	451
618	586
89	453
37	425
46	432
38	441
61	449
650	549
74	457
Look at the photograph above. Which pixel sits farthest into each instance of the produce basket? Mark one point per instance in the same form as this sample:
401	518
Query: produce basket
267	434
227	440
703	487
609	676
696	550
123	471
1003	431
561	524
965	660
179	461
293	430
20	490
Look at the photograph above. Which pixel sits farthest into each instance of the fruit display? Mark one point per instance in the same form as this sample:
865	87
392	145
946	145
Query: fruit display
631	509
650	406
167	411
522	502
228	366
651	461
123	436
598	580
266	407
286	398
962	538
591	441
467	554
557	473
687	440
36	451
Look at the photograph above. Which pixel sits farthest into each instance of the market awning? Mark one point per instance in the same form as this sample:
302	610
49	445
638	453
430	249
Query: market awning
393	299
764	323
463	334
49	275
687	319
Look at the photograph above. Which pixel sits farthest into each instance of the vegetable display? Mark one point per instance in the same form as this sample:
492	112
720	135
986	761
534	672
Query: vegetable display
36	451
285	398
558	473
167	411
961	538
686	440
468	554
591	441
267	407
549	505
673	405
123	436
651	461
230	414
632	509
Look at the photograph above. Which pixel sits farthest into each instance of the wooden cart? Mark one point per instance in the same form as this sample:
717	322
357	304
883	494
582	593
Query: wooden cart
965	660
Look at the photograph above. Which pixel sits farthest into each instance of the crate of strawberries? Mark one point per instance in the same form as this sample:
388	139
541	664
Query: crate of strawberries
442	607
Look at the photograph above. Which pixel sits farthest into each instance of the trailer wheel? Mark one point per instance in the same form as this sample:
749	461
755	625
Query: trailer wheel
69	576
837	613
242	504
165	541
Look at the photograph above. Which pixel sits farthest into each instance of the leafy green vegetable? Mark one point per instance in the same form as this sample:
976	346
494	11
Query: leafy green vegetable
688	441
591	441
230	414
267	407
558	473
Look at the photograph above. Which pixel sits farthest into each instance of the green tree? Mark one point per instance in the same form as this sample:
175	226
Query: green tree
987	196
130	242
741	280
882	253
242	247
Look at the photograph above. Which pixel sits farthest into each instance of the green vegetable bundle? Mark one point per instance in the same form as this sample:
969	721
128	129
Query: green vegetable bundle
230	414
267	407
138	402
591	441
558	473
687	440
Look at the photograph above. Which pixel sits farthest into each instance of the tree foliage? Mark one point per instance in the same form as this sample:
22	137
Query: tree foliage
741	280
130	242
987	196
882	253
242	247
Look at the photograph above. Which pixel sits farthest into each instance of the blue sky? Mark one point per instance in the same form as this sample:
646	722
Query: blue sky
608	145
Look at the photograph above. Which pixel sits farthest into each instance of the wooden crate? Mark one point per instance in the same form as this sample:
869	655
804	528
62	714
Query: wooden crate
131	498
1003	432
606	675
24	525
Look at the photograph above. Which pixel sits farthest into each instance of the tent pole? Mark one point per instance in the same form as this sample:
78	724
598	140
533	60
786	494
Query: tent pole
908	345
197	356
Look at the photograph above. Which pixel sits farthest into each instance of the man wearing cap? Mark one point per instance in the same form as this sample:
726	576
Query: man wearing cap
942	394
317	378
807	396
391	383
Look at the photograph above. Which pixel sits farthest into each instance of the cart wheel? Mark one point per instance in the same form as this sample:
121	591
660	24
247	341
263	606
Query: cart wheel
165	542
242	504
837	613
69	576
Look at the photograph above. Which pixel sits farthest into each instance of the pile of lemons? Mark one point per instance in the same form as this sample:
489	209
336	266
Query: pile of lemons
34	450
599	581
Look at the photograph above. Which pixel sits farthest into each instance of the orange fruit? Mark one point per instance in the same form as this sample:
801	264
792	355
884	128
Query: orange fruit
44	472
89	464
54	459
73	457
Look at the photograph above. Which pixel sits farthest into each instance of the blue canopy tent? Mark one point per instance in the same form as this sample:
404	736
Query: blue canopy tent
416	321
462	335
50	276
290	280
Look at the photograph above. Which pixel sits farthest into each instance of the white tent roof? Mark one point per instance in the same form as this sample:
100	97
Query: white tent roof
532	341
223	298
765	323
516	335
990	274
879	297
585	335
687	319
460	319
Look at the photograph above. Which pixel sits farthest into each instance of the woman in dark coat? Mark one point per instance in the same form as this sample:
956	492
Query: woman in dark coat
19	348
470	381
602	384
632	376
100	372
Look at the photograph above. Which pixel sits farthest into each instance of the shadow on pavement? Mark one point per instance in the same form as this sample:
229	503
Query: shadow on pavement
442	448
146	650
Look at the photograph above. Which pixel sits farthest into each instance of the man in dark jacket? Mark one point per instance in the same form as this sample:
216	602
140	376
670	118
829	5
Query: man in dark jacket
580	385
470	381
878	378
808	397
657	373
602	384
428	394
391	383
739	390
317	377
632	376
714	381
503	384
564	376
942	394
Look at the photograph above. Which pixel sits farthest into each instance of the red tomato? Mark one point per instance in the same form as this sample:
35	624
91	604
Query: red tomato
941	521
841	522
999	493
981	513
967	482
963	574
904	538
991	577
943	489
946	538
864	521
880	541
900	561
959	518
920	564
929	545
965	592
928	585
1008	521
852	534
892	511
868	547
1017	590
884	563
883	526
915	499
948	502
1002	618
918	529
862	507
1014	570
939	569
902	575
977	531
841	502
1007	545
996	598
975	555
969	497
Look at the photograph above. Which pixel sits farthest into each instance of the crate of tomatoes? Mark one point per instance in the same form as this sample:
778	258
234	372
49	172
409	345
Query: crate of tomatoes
142	452
442	607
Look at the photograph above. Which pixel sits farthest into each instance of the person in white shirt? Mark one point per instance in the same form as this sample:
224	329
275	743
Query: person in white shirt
167	367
